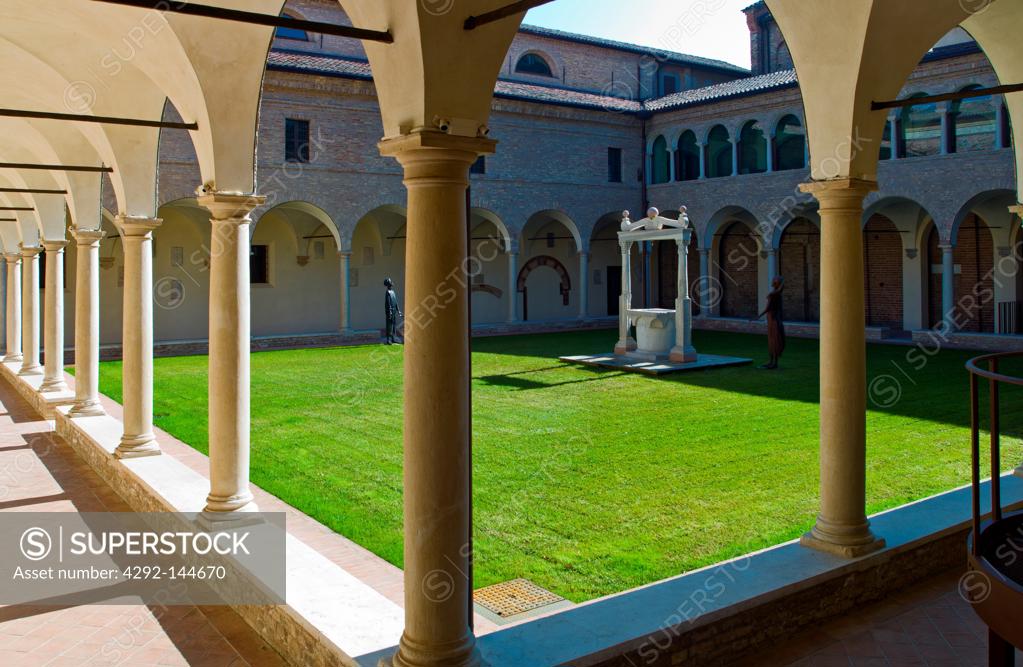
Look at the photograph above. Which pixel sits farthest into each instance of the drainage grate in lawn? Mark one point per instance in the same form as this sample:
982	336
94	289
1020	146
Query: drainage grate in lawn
514	597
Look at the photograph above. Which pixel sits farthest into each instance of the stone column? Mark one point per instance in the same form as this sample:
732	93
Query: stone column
842	527
703	162
584	285
672	175
896	149
513	287
683	351
230	495
770	154
346	291
1017	210
437	408
626	343
87	402
30	311
53	336
137	337
736	153
947	134
772	264
13	307
948	277
706	298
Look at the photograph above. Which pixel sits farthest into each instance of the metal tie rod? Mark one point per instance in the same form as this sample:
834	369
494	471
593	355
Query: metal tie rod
88	118
947	97
256	18
474	22
56	167
33	191
16	208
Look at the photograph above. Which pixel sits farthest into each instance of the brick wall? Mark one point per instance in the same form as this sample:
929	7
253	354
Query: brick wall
799	261
738	262
882	258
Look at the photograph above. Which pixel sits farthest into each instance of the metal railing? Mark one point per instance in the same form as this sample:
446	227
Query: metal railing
987	367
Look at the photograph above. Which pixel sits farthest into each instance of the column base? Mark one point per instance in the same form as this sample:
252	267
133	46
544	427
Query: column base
415	654
13	358
90	408
53	385
136	447
844	541
31	370
223	508
215	520
627	346
680	355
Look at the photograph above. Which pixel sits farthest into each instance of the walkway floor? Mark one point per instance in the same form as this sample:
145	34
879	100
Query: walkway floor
39	472
929	625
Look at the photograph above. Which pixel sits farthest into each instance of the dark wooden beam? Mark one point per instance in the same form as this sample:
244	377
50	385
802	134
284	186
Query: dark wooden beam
256	18
474	22
16	208
56	167
107	120
8	219
947	97
33	191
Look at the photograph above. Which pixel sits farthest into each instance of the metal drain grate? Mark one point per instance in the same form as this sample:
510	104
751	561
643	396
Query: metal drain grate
514	597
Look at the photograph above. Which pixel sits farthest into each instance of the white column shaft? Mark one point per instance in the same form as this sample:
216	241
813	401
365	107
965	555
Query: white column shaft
584	285
53	337
346	291
87	402
948	276
30	312
13	308
513	287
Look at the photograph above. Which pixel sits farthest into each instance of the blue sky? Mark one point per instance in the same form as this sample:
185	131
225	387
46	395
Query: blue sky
710	28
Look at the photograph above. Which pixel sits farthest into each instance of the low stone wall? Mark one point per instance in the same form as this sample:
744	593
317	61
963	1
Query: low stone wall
27	387
962	340
794	329
733	635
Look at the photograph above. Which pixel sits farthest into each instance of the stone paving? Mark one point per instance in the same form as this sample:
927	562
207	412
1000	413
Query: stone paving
929	625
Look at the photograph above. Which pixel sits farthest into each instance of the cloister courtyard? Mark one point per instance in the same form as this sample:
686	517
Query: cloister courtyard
590	482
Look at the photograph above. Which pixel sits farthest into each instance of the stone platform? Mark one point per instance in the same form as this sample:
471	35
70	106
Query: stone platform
633	365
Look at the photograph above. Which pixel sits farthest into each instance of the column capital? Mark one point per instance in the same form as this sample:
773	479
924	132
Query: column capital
29	251
12	257
54	246
839	192
224	206
1017	209
946	247
87	236
429	154
345	254
583	253
133	226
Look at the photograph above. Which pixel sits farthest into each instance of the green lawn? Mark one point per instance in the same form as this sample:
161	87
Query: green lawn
588	482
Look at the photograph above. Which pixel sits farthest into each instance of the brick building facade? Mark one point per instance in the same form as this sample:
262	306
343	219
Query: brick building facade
587	128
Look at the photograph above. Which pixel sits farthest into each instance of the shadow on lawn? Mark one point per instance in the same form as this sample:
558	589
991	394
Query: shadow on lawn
935	391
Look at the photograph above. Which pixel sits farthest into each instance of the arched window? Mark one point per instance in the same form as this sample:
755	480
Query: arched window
719	153
291	33
790	144
661	162
974	121
688	157
533	63
752	149
921	129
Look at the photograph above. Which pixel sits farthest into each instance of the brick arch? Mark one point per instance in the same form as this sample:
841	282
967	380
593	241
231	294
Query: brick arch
565	279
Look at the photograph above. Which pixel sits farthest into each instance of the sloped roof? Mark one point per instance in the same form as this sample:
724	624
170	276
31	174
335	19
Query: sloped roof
661	54
722	91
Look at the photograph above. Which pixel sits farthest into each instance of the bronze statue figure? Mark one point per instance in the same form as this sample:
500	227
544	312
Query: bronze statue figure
775	327
391	312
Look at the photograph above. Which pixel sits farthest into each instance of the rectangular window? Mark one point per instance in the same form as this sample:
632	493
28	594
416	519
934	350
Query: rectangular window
669	84
259	265
296	140
479	166
614	165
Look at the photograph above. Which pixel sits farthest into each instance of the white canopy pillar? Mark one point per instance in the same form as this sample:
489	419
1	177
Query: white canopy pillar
705	296
683	352
30	311
626	343
87	402
230	326
53	336
137	338
13	261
